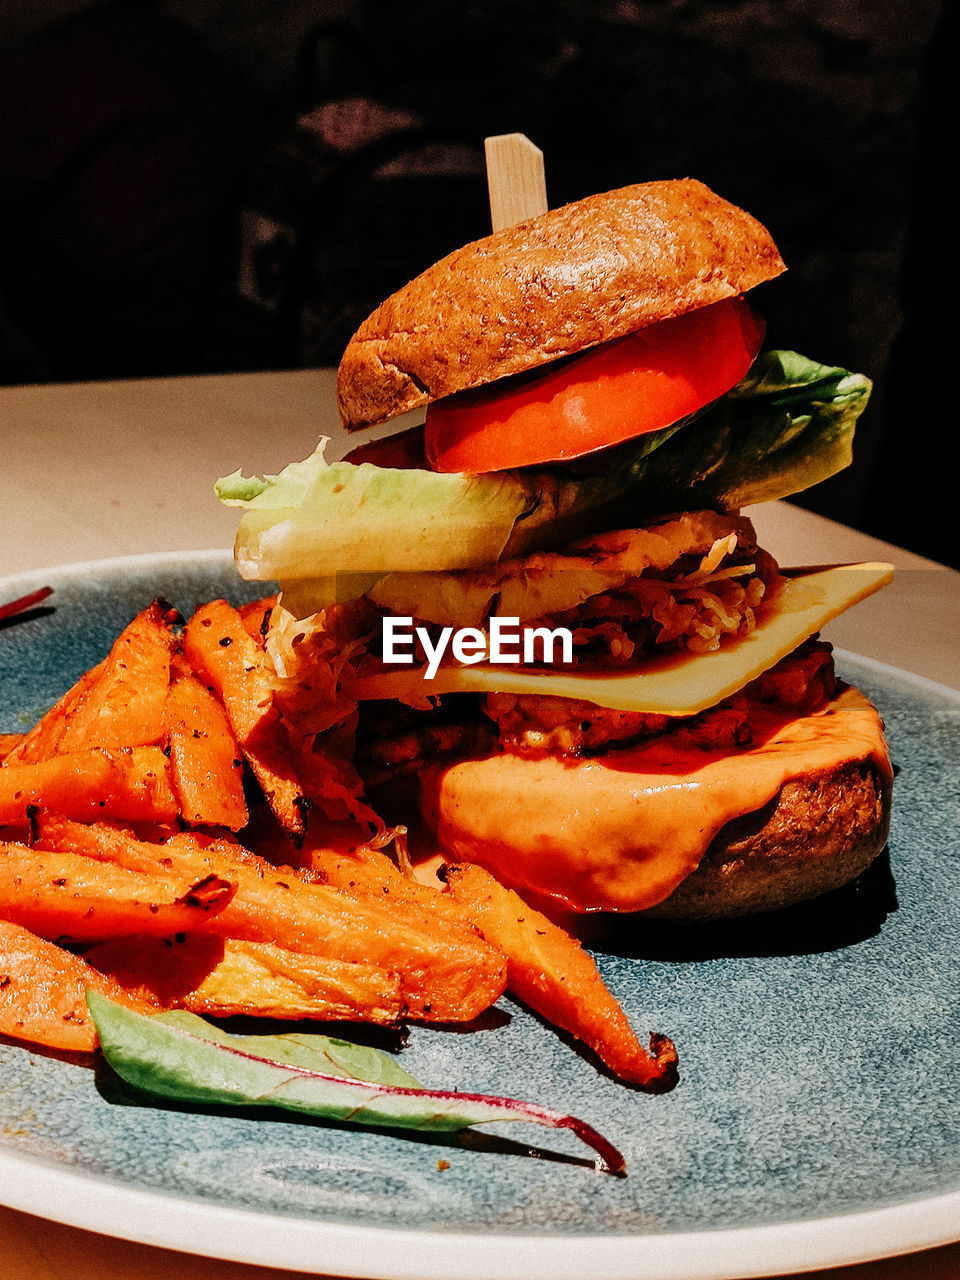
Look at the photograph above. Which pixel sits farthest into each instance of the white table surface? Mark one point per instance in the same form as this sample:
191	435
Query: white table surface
105	469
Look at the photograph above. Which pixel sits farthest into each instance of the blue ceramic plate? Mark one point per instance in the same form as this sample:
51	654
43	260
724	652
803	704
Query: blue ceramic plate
816	1122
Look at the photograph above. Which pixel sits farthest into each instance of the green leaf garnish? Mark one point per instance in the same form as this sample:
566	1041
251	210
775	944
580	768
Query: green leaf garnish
180	1056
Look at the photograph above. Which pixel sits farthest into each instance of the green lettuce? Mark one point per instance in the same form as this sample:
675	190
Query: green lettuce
786	426
318	519
180	1056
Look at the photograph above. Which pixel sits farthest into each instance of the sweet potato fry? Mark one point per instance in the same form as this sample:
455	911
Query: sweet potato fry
370	872
118	704
226	977
205	760
228	660
112	842
65	895
130	783
447	972
549	971
42	992
363	870
333	790
255	616
43	740
7	743
224	654
271	765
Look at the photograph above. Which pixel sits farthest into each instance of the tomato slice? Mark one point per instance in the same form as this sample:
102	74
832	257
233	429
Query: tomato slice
610	393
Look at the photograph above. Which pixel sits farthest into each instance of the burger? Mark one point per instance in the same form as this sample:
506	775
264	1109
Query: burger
538	626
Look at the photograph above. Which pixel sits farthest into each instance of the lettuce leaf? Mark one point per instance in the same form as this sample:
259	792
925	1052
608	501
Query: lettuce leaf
180	1056
316	518
786	426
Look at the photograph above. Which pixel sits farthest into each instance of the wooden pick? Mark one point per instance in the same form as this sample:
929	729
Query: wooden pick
515	179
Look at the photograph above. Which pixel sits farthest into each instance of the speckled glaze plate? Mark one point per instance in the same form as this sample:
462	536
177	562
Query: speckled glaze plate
817	1119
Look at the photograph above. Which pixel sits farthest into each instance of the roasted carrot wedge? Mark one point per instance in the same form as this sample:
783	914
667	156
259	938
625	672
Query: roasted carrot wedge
227	659
205	760
42	992
7	743
119	703
44	739
131	783
226	977
549	971
447	972
255	616
65	895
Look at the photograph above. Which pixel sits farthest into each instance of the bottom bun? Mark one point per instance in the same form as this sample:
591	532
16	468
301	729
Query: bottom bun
672	831
821	832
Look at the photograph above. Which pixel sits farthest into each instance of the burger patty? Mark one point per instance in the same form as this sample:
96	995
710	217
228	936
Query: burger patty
393	740
650	614
406	749
686	582
801	682
820	832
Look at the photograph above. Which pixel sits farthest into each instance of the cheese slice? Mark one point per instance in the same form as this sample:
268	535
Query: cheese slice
678	684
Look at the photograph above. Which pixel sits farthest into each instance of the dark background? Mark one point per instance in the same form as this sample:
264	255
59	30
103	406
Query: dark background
213	185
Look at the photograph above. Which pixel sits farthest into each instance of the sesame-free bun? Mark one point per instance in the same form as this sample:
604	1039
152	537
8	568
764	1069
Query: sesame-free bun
673	830
821	832
594	270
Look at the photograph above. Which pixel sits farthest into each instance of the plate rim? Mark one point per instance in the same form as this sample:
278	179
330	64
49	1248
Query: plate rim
302	1244
125	563
47	1189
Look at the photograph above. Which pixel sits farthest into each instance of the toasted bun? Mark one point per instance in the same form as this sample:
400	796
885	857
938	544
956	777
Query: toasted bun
594	270
820	833
646	830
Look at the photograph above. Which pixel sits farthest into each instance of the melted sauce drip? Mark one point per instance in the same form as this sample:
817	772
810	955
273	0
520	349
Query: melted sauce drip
621	831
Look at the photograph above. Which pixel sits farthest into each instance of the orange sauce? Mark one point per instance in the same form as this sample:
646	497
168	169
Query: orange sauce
619	832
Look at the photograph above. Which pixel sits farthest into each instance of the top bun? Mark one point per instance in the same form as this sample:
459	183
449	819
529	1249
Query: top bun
597	269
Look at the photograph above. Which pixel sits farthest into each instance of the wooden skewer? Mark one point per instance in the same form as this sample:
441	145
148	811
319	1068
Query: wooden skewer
515	179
